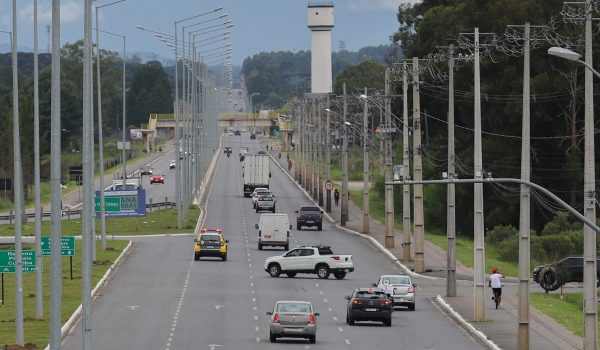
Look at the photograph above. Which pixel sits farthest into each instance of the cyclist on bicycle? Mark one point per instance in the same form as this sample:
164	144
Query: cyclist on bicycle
496	285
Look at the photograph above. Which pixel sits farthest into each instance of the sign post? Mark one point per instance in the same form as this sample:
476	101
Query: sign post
8	263
67	248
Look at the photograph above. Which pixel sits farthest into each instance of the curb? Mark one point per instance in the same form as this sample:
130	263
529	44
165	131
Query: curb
439	300
66	328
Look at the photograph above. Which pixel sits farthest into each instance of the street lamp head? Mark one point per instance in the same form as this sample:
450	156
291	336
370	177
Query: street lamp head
348	123
140	27
327	110
219	8
564	53
363	96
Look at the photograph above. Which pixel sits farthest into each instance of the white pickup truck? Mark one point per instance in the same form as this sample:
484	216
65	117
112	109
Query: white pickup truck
312	259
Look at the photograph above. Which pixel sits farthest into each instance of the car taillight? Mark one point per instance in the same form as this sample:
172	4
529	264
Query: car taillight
335	257
311	319
385	302
356	302
411	290
276	318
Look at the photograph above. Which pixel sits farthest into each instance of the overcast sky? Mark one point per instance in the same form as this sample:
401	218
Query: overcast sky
260	25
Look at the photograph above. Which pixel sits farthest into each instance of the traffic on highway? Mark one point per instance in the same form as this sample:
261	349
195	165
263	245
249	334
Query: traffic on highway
221	287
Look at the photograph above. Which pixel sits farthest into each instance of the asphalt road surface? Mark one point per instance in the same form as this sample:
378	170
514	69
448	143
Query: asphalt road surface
162	299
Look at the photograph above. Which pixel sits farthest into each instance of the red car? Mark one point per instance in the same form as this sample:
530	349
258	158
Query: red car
155	179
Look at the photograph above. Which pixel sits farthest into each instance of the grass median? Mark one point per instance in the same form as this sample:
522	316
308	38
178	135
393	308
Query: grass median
156	222
566	309
36	331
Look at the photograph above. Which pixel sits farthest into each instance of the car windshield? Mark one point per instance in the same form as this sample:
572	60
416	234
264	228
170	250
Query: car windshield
262	193
293	307
395	280
265	199
370	295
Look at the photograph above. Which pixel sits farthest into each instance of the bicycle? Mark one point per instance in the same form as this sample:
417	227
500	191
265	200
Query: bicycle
497	298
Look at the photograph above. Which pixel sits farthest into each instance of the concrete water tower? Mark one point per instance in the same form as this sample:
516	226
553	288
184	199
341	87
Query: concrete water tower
320	22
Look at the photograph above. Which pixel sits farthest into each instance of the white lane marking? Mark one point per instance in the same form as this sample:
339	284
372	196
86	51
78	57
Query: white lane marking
347	341
330	309
254	300
256	328
218	307
335	318
254	308
317	284
258	340
253	292
249	265
321	292
132	307
251	284
341	329
325	300
255	317
178	309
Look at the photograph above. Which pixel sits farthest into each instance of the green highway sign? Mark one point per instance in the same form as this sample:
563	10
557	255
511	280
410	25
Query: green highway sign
8	262
67	245
111	204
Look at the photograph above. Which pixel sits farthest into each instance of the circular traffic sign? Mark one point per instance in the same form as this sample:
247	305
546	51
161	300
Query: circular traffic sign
329	185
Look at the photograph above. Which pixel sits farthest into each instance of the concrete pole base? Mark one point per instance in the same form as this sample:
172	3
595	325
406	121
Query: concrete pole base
389	242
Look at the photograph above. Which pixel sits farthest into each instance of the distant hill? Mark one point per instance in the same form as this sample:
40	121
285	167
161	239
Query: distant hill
278	76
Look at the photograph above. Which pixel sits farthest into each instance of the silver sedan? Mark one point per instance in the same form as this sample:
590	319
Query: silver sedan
293	319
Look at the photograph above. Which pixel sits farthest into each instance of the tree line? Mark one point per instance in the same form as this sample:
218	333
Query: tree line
149	90
556	110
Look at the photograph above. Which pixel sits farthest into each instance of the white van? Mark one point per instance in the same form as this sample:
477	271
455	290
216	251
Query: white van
274	231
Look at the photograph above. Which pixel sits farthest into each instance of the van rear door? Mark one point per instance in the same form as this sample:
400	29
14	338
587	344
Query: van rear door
281	228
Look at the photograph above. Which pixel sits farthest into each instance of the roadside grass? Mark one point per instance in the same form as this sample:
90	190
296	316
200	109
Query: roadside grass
156	222
36	331
464	246
566	309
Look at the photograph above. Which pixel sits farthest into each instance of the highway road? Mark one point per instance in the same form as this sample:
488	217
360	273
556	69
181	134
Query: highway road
162	299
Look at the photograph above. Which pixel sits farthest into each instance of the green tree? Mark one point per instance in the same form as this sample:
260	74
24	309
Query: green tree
150	92
366	74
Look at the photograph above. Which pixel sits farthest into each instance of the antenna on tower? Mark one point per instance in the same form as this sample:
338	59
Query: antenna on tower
49	35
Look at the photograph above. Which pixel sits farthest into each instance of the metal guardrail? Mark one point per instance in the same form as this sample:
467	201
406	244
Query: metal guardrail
77	212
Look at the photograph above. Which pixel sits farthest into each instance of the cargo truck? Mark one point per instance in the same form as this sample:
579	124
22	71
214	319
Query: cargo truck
256	172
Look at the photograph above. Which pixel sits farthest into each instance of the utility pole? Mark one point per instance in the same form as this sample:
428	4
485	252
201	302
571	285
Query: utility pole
56	192
451	192
406	225
328	156
590	298
18	188
344	208
478	224
365	166
525	210
389	189
418	174
39	258
320	151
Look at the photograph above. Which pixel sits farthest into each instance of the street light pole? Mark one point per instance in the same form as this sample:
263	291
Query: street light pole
328	156
418	173
18	188
39	258
55	195
389	190
451	190
100	131
365	166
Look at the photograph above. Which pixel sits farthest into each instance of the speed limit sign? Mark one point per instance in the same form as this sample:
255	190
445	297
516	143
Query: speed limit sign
329	185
